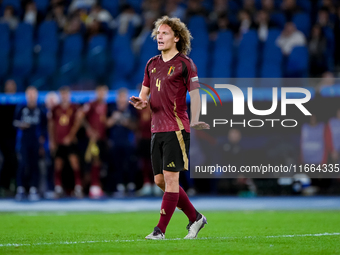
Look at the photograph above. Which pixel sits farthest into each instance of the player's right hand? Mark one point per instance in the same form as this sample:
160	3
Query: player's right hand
138	103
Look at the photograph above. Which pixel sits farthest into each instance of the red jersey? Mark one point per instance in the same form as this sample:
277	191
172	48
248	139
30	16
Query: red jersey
63	119
169	82
96	113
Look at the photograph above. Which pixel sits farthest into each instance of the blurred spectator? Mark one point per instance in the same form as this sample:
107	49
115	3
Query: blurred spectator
93	29
149	19
268	6
62	127
195	8
8	141
31	14
94	117
72	26
81	4
174	9
323	18
122	122
154	6
219	18
327	80
143	151
317	51
290	38
290	8
249	6
263	24
99	14
334	126
10	18
51	100
58	15
328	5
127	17
316	142
31	120
245	22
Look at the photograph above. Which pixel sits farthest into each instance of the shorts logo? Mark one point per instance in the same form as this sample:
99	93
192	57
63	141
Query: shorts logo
163	212
171	70
172	164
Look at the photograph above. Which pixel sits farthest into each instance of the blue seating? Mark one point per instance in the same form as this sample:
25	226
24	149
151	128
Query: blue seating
147	51
272	56
111	6
122	56
136	4
306	6
200	58
42	5
5	46
278	19
71	54
23	50
222	55
247	55
198	28
97	55
302	22
298	62
329	34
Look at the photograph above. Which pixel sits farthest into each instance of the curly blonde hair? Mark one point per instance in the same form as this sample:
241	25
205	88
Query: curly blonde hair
180	30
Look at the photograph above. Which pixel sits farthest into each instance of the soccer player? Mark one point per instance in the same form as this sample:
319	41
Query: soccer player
31	120
167	79
94	117
62	129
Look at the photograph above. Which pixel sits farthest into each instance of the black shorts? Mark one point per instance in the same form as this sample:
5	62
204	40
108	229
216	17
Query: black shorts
63	151
169	151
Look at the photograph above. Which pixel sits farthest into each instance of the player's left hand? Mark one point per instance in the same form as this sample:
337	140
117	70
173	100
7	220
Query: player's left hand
200	125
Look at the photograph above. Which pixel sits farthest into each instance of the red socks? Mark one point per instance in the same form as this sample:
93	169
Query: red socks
57	177
185	205
169	203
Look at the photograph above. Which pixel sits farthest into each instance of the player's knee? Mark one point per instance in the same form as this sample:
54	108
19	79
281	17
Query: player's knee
159	182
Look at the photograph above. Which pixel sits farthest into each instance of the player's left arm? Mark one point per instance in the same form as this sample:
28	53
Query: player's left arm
195	105
75	127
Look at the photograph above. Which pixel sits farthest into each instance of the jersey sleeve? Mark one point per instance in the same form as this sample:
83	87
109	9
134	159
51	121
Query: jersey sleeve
146	80
190	76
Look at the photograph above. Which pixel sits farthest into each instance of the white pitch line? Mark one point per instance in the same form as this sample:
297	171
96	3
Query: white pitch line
171	239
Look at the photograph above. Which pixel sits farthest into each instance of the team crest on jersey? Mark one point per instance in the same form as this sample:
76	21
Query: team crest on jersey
171	70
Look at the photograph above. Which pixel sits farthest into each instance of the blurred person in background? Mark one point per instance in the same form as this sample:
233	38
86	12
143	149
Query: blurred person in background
249	6
127	17
174	9
51	100
31	14
72	26
263	24
194	8
290	8
9	18
317	52
31	120
289	38
245	22
58	15
327	80
121	123
94	118
268	6
316	142
62	129
149	19
334	126
154	6
143	152
81	4
100	14
7	142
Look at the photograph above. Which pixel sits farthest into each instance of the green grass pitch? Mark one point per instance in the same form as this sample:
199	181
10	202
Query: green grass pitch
241	232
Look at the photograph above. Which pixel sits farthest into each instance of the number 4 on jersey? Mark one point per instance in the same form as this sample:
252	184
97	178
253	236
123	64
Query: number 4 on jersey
158	84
